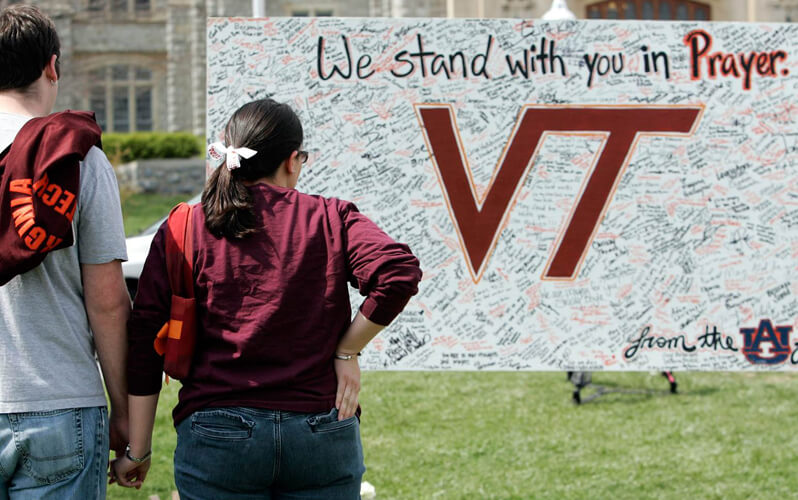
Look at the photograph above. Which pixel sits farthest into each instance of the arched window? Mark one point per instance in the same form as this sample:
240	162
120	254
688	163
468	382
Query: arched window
121	97
664	10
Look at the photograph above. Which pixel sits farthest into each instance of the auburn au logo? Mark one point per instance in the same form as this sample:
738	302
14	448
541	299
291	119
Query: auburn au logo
478	222
776	338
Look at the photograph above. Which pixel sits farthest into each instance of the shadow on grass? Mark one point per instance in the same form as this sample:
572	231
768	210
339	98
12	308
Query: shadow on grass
598	395
625	394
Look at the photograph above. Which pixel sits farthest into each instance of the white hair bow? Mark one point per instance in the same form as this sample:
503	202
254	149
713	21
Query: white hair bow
218	151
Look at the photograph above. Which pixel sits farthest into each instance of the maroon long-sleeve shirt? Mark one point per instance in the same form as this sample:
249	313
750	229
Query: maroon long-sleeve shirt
273	306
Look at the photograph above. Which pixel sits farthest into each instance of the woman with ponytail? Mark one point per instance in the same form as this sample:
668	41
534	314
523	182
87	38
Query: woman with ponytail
270	407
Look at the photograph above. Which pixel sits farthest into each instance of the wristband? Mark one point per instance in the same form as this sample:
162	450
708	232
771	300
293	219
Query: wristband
134	459
345	357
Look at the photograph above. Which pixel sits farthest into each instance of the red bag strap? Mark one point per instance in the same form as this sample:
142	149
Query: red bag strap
179	251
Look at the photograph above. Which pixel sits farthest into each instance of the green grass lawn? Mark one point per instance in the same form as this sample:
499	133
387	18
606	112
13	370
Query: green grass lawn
518	436
466	435
141	210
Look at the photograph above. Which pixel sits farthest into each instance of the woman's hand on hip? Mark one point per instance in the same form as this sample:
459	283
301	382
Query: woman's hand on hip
348	374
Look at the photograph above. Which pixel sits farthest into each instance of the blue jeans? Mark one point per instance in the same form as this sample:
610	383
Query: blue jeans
55	454
249	453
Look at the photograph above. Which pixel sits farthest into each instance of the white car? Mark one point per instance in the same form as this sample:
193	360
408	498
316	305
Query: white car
137	249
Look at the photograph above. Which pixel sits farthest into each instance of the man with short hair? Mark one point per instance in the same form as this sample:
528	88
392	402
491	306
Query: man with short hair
64	296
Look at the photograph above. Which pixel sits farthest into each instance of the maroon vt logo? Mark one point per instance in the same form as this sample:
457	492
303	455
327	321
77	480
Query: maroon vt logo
479	222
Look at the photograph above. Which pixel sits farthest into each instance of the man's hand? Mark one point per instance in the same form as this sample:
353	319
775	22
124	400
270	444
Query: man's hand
348	374
120	435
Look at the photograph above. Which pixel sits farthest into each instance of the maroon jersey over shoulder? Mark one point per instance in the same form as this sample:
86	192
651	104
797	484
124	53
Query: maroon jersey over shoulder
39	183
273	306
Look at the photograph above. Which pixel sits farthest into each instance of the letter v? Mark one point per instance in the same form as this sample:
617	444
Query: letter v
477	221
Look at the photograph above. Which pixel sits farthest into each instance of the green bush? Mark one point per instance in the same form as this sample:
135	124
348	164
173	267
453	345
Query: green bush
123	148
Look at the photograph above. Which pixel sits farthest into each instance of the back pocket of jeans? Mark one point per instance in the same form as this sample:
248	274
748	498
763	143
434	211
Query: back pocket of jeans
328	422
221	424
51	444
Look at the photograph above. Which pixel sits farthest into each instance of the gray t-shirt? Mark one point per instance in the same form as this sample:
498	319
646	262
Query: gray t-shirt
46	347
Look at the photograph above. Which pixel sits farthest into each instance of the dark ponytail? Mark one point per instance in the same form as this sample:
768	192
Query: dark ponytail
274	131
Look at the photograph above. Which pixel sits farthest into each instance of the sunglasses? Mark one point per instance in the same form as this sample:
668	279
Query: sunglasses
302	156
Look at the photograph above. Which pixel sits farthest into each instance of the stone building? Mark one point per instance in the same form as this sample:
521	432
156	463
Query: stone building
712	10
140	64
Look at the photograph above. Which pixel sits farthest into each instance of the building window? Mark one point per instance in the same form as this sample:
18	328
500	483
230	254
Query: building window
118	8
313	12
517	8
648	10
789	9
612	11
121	97
663	10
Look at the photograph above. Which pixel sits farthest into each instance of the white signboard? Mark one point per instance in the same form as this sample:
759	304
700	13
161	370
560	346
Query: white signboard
581	195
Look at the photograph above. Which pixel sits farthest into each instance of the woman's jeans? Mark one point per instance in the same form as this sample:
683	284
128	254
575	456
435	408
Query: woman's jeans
249	453
54	455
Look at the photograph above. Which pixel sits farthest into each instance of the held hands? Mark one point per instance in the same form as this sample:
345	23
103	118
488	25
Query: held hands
127	472
348	373
133	462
